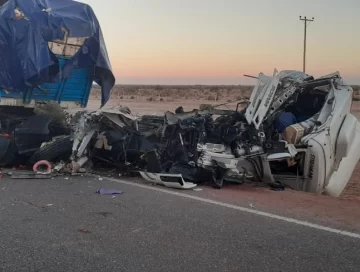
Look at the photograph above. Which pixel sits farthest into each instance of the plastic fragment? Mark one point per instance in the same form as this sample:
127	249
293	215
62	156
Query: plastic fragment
103	191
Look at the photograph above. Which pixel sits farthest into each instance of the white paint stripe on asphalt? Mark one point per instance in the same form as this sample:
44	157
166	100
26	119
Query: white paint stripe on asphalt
240	208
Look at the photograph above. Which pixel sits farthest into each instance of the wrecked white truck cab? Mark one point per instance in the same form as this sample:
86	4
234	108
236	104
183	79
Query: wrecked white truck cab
296	131
322	138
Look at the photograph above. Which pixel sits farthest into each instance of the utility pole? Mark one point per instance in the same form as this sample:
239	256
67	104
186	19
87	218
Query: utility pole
306	21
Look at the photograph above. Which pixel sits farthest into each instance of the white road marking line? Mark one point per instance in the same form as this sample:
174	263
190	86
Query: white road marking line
240	208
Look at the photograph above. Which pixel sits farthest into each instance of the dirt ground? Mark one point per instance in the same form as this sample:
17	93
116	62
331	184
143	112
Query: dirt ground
146	107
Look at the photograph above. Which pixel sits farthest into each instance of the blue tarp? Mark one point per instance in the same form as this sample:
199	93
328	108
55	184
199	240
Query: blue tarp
25	58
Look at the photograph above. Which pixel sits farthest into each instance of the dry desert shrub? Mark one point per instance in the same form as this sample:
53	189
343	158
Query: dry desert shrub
205	106
169	93
240	97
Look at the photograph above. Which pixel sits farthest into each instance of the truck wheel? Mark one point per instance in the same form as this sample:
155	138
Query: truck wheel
61	147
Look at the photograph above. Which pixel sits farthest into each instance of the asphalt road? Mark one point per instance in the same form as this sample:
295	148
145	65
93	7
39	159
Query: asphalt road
63	225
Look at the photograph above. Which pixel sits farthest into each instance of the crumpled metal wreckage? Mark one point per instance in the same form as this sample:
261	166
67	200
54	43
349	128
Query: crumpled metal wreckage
28	136
296	131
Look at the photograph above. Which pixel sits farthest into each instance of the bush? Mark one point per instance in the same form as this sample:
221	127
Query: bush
161	100
210	97
215	89
205	106
166	92
356	88
132	97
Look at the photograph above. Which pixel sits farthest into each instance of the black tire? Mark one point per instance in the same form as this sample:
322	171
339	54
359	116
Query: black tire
218	183
218	178
60	148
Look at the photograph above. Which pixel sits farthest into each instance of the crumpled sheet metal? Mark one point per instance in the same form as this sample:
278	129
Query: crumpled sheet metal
168	180
117	118
118	112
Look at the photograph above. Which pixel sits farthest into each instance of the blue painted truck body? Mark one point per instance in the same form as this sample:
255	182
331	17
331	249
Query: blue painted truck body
31	33
75	89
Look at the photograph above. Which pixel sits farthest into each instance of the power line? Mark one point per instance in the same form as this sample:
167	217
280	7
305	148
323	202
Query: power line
306	23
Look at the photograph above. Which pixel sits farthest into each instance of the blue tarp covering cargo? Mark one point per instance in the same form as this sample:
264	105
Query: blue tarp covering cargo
27	61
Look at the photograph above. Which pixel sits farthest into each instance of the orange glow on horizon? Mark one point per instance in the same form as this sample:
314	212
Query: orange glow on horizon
160	40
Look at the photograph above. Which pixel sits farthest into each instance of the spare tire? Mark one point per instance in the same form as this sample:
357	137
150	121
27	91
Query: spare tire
60	148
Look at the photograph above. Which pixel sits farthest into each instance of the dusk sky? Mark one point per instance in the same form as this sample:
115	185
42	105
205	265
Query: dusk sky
217	41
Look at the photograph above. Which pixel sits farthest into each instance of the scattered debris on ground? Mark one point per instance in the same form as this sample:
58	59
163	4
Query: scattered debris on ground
103	191
278	138
84	230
